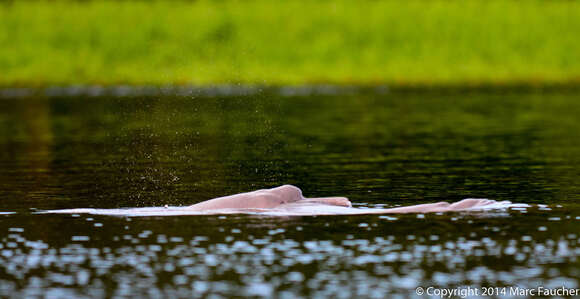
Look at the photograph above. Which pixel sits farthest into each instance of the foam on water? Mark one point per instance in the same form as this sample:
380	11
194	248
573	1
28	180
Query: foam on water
302	209
500	205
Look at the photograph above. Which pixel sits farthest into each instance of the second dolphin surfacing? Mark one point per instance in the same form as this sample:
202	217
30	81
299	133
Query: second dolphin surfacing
288	197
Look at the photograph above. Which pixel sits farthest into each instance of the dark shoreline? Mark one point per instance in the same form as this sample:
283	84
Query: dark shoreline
235	90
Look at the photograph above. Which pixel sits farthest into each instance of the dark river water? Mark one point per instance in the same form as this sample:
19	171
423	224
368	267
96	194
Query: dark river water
378	150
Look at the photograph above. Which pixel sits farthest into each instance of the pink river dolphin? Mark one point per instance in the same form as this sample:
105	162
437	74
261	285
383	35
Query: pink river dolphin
287	200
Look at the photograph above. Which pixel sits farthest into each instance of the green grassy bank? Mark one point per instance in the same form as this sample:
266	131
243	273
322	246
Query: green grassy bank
401	43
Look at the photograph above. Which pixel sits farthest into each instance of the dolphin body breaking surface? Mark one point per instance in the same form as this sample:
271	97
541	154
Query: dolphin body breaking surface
287	200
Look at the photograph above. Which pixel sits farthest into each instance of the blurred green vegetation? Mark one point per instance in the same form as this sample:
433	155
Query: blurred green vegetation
401	43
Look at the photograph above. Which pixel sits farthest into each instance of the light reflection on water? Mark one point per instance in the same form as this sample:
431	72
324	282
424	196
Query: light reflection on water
339	256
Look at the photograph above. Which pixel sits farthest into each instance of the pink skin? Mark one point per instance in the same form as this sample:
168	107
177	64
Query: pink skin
283	200
266	199
282	196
